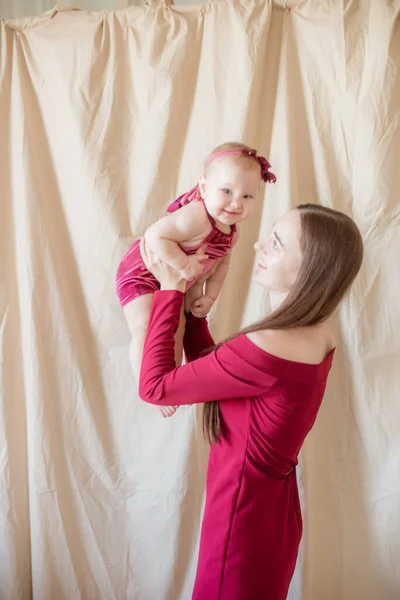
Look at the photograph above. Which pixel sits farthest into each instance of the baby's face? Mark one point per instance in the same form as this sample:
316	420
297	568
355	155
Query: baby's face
229	190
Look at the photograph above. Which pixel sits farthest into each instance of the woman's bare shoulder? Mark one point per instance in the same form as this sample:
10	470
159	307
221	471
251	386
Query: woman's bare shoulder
307	344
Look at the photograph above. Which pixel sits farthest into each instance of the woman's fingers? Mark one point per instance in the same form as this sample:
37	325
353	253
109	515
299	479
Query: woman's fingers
201	253
147	254
143	252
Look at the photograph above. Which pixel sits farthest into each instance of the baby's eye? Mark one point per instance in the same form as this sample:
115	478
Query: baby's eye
248	196
275	244
226	191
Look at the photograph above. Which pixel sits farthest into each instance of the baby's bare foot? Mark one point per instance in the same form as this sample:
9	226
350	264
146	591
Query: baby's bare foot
168	411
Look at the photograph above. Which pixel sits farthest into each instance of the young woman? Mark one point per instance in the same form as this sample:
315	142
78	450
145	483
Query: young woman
262	390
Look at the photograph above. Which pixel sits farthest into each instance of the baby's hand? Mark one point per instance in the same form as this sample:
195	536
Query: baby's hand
193	269
202	306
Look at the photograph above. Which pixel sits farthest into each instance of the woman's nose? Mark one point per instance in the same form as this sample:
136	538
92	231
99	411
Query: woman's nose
261	245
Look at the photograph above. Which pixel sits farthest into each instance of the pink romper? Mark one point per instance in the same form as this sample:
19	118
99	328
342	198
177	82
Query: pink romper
133	279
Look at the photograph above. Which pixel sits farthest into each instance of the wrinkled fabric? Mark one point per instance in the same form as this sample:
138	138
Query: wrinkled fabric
105	118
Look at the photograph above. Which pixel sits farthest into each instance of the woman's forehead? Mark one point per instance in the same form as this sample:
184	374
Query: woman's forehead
288	227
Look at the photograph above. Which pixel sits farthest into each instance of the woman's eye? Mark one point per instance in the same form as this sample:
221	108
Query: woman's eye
226	191
275	244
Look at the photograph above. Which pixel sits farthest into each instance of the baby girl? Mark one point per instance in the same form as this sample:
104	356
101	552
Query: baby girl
196	238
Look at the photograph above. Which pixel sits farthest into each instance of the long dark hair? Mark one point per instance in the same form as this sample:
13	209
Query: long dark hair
332	255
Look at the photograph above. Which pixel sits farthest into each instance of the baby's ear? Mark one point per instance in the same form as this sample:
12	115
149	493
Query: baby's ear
202	186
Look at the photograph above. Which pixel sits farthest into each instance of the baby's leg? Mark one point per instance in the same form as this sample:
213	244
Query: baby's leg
195	292
137	314
168	411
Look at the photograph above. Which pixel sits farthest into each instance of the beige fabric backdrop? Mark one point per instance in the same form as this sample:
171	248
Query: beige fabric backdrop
104	118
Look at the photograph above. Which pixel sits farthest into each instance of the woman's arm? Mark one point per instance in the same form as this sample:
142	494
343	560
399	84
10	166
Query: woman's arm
220	375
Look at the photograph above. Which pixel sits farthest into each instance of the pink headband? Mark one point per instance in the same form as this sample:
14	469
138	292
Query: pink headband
194	194
264	164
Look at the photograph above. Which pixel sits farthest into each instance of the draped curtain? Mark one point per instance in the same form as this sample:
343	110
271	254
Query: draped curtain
105	117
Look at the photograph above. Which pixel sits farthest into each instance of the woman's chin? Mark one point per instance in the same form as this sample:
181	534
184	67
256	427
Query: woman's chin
260	278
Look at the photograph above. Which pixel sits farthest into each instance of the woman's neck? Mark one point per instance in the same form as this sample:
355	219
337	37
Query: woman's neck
276	299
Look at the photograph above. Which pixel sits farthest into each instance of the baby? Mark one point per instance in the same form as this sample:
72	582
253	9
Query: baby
205	217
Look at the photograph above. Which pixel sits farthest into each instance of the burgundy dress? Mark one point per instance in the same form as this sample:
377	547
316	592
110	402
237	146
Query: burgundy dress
133	279
252	522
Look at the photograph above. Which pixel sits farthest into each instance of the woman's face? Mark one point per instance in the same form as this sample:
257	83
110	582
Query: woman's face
280	256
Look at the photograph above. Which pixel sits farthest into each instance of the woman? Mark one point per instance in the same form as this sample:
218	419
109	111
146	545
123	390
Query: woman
262	391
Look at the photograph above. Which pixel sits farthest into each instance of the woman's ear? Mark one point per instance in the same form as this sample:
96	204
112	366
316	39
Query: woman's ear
202	187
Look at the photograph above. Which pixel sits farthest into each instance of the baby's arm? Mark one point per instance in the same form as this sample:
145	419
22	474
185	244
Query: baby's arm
216	281
164	236
201	306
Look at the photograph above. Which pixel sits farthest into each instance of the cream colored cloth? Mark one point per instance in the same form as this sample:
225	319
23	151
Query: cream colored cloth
104	118
27	8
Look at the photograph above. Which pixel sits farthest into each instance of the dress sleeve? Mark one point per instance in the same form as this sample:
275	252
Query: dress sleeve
220	375
197	337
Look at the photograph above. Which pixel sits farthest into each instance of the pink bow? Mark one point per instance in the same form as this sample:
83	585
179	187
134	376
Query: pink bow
265	172
264	164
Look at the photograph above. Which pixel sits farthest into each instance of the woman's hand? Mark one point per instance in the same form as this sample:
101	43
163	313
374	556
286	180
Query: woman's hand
168	277
193	269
